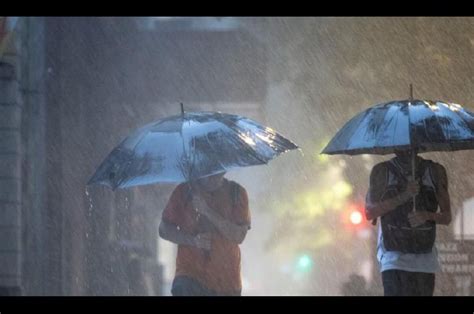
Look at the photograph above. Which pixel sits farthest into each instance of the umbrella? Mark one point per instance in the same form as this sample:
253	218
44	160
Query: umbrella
189	146
420	125
412	124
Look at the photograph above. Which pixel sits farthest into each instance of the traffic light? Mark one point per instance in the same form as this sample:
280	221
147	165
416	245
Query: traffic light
304	263
354	220
356	217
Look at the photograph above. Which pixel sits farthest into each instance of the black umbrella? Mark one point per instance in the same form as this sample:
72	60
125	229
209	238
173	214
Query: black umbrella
412	124
420	125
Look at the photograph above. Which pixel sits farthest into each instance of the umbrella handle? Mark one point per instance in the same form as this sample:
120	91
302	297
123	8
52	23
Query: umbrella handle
206	253
413	152
413	165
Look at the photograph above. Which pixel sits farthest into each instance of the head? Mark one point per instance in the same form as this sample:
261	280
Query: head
211	183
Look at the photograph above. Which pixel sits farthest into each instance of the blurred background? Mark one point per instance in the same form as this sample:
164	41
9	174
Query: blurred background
71	88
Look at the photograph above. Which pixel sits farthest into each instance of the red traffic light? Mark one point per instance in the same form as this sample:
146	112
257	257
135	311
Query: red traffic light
353	217
356	217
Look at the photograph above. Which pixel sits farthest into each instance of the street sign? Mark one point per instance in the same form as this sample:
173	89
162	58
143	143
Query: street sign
457	267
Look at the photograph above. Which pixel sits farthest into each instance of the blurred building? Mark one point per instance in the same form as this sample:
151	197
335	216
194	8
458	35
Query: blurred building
71	89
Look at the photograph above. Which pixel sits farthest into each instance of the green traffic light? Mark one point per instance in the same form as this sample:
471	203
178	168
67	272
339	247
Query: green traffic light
305	262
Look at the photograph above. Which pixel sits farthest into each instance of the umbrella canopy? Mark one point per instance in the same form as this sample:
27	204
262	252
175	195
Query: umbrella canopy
189	146
420	125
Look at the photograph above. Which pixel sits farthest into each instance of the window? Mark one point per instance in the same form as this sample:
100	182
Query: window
464	221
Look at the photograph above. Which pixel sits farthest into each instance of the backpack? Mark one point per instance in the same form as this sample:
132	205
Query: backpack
398	235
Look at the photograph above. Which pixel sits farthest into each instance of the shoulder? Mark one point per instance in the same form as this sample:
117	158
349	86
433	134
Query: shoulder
237	189
181	189
381	165
235	185
380	168
438	167
378	175
435	166
439	170
175	203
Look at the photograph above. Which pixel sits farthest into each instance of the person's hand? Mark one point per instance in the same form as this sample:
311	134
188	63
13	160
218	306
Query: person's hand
200	205
417	218
203	241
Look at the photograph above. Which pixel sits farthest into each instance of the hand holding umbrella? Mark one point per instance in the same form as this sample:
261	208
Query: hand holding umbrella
411	125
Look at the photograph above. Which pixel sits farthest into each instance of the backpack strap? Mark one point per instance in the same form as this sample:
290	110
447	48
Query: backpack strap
188	196
421	169
374	221
432	173
433	176
235	193
391	166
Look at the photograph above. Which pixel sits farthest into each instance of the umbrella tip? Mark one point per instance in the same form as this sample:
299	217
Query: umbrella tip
182	108
300	150
411	92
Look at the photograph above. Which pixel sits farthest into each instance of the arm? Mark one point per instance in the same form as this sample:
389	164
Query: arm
443	217
172	218
374	206
173	233
232	231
